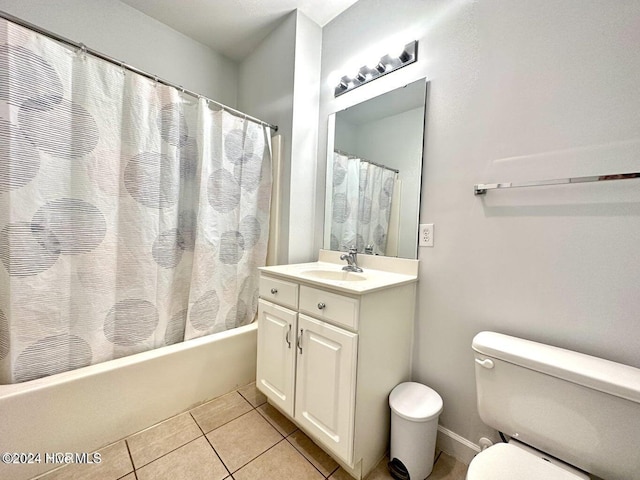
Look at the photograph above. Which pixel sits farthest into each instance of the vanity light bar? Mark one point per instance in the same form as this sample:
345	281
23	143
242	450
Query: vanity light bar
386	64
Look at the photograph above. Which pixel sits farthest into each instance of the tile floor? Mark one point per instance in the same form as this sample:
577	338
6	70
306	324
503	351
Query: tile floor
234	437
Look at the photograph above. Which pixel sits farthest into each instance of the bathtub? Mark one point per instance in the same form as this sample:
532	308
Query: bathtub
86	409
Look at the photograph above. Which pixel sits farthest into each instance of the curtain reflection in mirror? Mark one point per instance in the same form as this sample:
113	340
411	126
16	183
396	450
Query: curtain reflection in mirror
362	204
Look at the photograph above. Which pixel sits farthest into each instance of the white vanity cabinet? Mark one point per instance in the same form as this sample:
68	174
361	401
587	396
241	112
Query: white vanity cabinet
277	354
307	368
328	359
325	384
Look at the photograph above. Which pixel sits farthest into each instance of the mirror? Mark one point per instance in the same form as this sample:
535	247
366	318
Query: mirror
374	168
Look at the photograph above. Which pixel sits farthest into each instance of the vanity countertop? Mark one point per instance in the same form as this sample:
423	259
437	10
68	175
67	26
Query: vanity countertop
388	272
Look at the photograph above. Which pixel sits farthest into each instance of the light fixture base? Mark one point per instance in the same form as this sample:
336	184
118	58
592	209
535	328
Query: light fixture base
386	65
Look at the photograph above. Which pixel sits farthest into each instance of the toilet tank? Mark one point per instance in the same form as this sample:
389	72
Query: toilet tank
581	409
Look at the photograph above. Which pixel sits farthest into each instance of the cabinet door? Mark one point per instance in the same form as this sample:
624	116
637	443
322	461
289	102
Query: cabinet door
326	384
276	354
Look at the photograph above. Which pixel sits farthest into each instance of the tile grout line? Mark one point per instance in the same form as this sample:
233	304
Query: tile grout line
240	393
285	437
253	407
203	434
264	416
222	424
165	454
126	440
242	415
334	471
196	422
189	412
125	476
219	457
305	457
244	398
258	456
133	465
43	476
209	443
227	423
161	421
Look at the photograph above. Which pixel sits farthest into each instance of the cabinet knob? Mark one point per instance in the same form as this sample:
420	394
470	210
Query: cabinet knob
321	306
274	290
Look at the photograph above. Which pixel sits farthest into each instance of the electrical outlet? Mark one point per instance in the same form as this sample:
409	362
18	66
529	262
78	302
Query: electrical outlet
425	235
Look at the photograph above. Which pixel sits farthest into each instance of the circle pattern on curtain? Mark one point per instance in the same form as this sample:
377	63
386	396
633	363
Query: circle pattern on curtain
132	217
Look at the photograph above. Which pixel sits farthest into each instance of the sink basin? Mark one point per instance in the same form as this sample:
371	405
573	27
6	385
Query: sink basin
335	275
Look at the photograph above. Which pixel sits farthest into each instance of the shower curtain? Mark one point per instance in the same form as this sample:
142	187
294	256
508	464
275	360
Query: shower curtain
131	216
361	204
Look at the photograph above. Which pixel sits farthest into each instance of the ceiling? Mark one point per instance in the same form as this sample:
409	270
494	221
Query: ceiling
234	28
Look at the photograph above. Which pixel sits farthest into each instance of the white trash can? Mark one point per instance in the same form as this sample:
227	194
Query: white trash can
415	409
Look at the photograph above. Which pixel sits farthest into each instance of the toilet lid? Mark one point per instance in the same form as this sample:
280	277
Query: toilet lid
504	461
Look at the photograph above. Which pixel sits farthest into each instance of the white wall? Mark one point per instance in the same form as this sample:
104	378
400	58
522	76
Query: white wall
124	33
266	91
279	83
345	136
519	90
304	142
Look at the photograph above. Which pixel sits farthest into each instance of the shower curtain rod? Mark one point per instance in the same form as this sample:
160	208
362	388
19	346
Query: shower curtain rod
350	155
126	66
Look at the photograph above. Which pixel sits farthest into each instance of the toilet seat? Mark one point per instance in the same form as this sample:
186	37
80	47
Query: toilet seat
506	461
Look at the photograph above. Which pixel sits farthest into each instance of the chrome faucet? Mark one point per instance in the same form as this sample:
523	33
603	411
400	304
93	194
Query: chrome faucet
352	260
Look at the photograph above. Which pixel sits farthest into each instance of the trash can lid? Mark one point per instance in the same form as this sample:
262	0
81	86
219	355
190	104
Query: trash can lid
415	402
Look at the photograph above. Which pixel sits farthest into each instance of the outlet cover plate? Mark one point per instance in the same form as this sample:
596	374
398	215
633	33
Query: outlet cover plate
425	235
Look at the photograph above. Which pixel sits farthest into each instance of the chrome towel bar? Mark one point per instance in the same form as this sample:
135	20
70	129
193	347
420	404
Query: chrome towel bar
481	188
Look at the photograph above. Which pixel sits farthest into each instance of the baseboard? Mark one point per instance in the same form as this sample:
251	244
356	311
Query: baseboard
458	447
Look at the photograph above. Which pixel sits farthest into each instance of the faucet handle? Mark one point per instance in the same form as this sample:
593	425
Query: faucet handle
352	249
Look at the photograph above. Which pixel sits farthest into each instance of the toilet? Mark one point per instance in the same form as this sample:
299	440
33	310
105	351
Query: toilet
567	414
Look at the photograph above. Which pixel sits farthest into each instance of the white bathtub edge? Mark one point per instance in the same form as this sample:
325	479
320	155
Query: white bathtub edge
86	409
